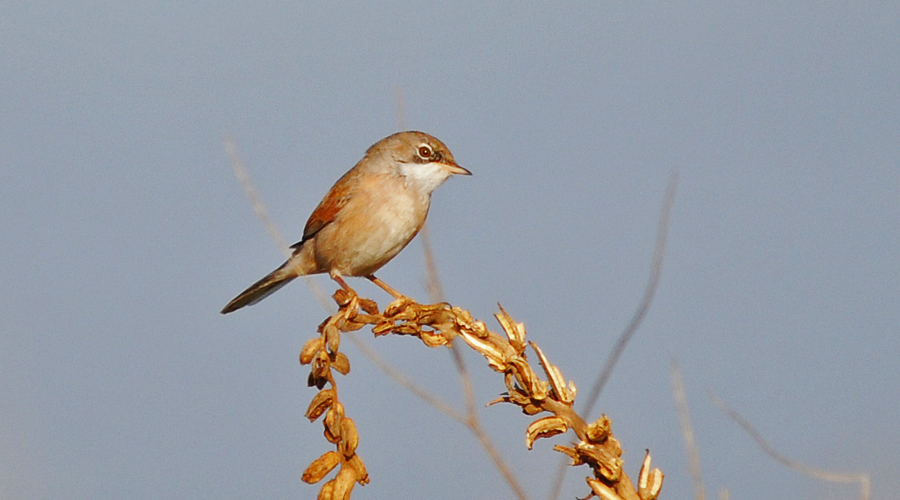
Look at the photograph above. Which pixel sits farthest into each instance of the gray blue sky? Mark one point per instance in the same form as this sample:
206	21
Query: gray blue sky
123	232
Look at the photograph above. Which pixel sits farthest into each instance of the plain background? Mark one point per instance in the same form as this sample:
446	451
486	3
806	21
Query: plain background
123	232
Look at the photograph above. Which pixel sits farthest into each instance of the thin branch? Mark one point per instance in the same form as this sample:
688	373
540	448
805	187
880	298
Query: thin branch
687	431
655	273
432	280
255	200
259	208
405	382
474	424
436	294
640	313
864	480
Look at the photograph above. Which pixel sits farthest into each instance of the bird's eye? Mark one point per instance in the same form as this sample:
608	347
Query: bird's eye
425	152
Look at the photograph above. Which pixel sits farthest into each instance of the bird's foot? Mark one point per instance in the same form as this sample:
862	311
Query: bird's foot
400	300
345	294
384	286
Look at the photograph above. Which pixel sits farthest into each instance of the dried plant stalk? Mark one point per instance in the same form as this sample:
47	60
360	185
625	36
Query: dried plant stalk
438	325
323	354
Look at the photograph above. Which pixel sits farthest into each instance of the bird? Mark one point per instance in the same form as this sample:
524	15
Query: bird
370	214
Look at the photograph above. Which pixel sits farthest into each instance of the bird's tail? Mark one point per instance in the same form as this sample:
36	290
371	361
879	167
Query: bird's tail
262	288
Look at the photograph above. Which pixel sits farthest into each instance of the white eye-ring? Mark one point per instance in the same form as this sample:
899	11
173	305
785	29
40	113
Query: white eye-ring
424	152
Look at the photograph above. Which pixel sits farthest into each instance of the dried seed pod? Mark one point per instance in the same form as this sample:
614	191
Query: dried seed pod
333	423
332	338
396	307
316	381
352	307
327	491
342	297
536	388
368	319
514	331
571	452
383	328
557	381
494	356
357	464
321	401
321	467
368	306
349	437
603	491
463	316
604	461
544	427
431	339
344	483
407	329
433	315
506	322
407	313
352	326
598	431
531	409
341	363
649	481
310	349
525	404
519	341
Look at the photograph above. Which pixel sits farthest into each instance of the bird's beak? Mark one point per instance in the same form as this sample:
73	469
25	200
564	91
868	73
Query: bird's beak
453	168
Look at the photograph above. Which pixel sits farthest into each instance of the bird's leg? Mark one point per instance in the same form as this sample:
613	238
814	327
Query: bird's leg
340	281
384	286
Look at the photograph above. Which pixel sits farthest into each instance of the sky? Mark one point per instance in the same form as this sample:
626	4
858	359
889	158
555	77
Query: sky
124	231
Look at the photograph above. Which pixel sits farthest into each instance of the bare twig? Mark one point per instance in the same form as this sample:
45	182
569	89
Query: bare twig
255	200
864	480
659	252
472	422
259	208
687	431
640	313
405	382
432	280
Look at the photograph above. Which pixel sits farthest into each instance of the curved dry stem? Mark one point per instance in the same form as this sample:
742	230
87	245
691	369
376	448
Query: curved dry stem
407	383
636	319
432	280
659	252
474	425
472	422
687	431
259	208
864	480
438	325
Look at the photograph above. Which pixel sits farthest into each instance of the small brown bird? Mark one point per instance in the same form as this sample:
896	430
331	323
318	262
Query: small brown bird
368	216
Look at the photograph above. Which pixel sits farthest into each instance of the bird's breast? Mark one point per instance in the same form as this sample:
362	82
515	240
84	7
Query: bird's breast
373	227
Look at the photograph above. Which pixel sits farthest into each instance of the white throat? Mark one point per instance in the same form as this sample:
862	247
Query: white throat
425	177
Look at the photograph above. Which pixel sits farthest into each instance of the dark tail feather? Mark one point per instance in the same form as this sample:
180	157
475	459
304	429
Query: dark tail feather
261	289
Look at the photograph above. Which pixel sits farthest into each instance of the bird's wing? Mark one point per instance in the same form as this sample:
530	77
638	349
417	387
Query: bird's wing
328	208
